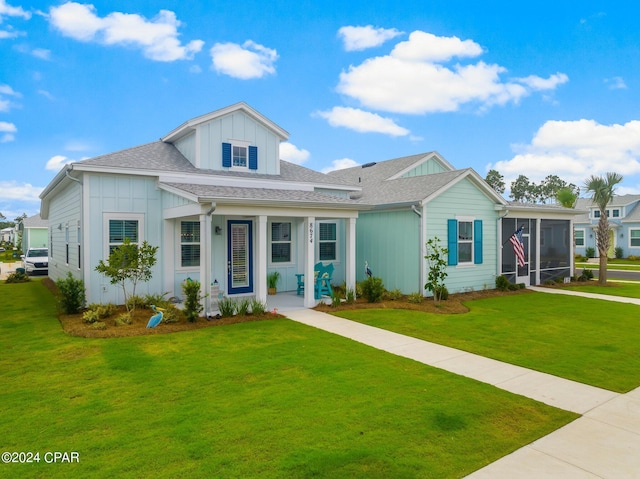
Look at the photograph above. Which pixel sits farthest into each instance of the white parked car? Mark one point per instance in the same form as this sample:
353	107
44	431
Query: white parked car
36	260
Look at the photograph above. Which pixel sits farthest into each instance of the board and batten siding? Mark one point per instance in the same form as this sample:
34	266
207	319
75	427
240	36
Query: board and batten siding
65	211
110	195
238	126
187	146
465	200
428	167
390	242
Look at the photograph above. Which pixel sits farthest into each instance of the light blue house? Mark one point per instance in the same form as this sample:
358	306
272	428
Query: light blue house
34	233
223	208
624	220
419	197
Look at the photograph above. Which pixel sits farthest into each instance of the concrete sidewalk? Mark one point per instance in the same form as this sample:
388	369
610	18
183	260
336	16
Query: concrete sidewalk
603	443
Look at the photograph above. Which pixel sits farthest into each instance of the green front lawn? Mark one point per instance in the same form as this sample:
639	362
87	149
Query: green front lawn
587	340
627	290
268	399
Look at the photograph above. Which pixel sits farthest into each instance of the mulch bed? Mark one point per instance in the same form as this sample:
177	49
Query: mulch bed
74	325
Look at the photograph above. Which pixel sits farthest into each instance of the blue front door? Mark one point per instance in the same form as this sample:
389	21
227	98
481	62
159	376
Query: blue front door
239	257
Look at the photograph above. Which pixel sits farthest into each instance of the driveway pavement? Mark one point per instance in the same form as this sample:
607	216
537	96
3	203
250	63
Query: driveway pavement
603	443
7	268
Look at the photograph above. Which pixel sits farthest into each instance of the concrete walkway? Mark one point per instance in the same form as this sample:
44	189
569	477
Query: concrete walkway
603	443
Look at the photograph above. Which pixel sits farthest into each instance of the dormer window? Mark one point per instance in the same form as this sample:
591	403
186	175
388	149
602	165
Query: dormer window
240	155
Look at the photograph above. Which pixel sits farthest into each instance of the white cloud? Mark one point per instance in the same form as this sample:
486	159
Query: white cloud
7	131
362	121
414	79
56	162
246	61
575	150
291	153
340	165
7	104
361	38
616	83
41	53
46	94
158	37
9	11
12	190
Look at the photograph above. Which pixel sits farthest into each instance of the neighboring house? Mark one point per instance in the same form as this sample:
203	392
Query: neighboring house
34	232
8	235
223	208
419	197
623	213
215	197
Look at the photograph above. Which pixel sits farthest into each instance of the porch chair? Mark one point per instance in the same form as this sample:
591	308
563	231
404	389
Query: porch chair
322	280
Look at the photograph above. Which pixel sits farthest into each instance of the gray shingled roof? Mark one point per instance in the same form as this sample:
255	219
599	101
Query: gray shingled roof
617	202
379	171
261	194
161	156
35	222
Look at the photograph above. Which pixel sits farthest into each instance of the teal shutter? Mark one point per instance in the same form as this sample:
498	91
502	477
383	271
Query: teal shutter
253	157
452	246
226	155
477	241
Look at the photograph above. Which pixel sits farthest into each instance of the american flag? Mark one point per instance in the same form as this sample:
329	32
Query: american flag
518	246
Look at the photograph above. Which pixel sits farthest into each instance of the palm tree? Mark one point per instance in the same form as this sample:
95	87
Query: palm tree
602	190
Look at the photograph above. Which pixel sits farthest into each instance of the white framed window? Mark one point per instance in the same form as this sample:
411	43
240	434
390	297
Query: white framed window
465	241
579	237
189	244
281	242
327	241
239	156
616	213
634	238
118	226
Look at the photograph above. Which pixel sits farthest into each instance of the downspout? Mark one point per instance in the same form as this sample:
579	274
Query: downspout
499	242
206	275
84	272
421	239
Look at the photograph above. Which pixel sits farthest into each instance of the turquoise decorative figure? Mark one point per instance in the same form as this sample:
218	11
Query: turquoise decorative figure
156	318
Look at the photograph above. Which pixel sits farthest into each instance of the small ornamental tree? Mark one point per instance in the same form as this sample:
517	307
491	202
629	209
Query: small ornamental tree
437	269
129	263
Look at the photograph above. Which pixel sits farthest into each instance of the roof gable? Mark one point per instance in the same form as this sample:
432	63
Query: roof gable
190	125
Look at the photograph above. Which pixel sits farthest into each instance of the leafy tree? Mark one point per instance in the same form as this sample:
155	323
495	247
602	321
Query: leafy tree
437	269
602	190
495	181
521	189
129	263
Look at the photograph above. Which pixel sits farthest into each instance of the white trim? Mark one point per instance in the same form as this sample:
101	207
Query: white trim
584	236
466	219
107	216
336	241
291	242
178	250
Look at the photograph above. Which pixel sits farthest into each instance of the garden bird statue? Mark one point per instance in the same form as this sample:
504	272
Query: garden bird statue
156	318
367	270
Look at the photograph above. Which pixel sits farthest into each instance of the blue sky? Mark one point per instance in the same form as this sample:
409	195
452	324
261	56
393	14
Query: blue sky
533	88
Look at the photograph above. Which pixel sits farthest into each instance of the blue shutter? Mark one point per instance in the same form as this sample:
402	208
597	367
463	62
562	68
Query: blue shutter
226	155
477	241
452	245
253	157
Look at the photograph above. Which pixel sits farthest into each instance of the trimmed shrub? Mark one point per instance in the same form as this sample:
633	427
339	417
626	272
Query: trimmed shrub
590	252
394	295
72	294
193	302
18	277
415	298
441	292
502	283
619	252
372	289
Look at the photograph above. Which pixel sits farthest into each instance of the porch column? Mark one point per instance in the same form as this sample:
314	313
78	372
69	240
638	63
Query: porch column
350	254
537	247
205	261
261	260
309	255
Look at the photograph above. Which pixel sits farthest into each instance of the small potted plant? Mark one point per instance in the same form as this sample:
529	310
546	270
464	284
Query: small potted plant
272	281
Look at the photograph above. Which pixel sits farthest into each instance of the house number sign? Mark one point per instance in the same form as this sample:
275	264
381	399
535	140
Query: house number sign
311	233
